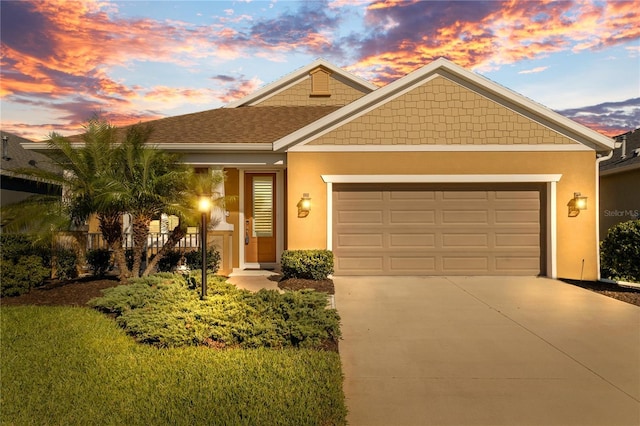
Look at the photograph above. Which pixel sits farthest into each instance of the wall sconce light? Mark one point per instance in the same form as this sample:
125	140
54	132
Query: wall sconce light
577	203
304	205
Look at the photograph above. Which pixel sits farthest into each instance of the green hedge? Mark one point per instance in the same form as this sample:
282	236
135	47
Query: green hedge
620	252
165	311
20	276
99	261
24	265
307	264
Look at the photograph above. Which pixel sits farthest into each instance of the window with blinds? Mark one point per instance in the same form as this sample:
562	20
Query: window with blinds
262	206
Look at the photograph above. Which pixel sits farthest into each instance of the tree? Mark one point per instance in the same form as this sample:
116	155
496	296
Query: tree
87	169
110	177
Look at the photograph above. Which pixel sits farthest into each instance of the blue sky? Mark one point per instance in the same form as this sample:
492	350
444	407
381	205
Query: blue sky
62	62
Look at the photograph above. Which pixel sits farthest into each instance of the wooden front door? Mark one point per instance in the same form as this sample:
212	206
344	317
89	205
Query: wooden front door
260	218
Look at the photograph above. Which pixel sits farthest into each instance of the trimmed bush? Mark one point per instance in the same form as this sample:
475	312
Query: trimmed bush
66	263
169	261
15	246
194	260
620	252
20	276
99	261
307	264
163	311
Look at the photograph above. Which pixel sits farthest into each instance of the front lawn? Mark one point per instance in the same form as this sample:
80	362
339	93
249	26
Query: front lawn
64	365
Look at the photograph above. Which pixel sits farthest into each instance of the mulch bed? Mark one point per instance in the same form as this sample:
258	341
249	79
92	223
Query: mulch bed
69	293
300	284
614	291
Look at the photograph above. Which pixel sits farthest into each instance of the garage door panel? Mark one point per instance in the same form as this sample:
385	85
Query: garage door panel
517	265
453	217
516	240
465	195
360	217
360	264
455	264
517	216
422	264
465	240
361	240
412	231
412	195
405	217
414	241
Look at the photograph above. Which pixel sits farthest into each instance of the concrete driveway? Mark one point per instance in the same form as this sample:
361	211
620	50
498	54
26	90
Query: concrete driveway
486	351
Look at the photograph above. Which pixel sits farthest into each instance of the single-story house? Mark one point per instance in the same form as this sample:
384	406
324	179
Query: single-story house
15	186
441	172
620	183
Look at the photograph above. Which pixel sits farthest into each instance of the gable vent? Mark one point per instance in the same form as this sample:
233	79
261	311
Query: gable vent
320	82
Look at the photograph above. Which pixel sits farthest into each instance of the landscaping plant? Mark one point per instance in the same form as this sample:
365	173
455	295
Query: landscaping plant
307	264
620	252
99	261
165	310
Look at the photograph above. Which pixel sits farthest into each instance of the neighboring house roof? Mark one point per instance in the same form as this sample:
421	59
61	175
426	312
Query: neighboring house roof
626	155
295	77
475	82
18	158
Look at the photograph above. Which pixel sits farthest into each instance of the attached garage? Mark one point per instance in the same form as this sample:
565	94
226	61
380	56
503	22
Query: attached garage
436	229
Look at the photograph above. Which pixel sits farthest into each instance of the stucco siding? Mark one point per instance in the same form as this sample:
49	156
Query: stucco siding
300	94
441	112
576	237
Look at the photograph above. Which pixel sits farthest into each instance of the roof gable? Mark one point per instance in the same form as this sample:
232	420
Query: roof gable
266	94
478	84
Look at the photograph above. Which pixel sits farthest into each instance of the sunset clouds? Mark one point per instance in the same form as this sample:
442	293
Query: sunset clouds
62	61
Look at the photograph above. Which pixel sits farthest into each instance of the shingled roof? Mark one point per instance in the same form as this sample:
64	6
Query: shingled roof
19	158
262	125
626	156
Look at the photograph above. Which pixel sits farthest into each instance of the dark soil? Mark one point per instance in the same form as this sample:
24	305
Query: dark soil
70	293
615	291
325	286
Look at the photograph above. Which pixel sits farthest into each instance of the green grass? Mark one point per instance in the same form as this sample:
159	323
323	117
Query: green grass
71	366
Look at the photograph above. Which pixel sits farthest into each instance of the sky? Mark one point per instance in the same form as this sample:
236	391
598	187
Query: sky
63	62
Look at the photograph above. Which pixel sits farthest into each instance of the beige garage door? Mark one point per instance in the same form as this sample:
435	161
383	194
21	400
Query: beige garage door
446	230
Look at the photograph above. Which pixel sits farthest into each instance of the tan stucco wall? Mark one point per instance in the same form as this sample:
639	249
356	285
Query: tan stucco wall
299	94
232	189
619	199
442	112
576	237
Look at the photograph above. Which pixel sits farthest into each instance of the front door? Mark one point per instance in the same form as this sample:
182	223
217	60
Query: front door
260	218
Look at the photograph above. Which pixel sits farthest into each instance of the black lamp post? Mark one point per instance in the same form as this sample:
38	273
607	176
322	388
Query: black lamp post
204	205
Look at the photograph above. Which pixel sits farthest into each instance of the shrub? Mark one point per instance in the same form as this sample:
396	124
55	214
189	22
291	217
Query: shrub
194	260
66	263
162	310
99	261
20	276
620	252
307	264
169	261
15	246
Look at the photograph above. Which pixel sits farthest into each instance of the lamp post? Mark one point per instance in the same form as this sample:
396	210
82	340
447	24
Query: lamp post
203	206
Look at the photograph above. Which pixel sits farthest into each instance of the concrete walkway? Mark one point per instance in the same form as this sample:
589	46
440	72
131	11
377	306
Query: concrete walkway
486	351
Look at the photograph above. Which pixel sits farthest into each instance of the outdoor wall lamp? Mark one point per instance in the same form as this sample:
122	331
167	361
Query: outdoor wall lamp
204	205
304	205
577	203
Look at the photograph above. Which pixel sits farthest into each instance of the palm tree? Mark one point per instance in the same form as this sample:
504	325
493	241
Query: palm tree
86	172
